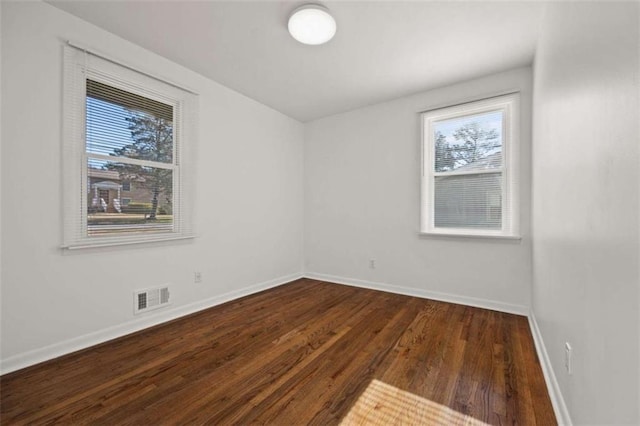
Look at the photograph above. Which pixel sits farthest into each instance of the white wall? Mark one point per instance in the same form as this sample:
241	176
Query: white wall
248	215
585	205
362	201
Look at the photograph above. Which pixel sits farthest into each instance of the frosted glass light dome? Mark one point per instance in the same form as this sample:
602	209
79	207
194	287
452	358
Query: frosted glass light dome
312	24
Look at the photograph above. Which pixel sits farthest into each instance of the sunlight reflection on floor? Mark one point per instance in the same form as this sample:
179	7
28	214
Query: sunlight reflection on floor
383	404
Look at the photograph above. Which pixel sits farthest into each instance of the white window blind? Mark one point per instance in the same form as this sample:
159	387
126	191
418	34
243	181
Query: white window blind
125	131
470	178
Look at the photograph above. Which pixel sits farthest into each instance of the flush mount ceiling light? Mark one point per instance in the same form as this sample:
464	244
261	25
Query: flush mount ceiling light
312	24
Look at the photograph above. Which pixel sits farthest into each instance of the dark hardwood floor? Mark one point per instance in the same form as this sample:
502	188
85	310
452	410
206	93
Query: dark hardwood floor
307	352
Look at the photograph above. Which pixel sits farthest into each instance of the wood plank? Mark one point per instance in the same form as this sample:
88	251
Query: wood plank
308	352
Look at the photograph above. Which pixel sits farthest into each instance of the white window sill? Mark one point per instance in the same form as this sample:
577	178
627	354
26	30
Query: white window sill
451	235
122	242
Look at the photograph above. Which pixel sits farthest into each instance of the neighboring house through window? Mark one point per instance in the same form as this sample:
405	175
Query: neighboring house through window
470	169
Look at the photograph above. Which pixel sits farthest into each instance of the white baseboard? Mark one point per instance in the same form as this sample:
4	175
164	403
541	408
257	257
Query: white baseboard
559	406
36	356
47	353
425	294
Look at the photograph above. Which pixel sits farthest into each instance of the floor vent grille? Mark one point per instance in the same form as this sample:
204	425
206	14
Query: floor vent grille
150	299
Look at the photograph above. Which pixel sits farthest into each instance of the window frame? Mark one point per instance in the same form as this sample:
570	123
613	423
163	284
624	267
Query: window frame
80	65
509	104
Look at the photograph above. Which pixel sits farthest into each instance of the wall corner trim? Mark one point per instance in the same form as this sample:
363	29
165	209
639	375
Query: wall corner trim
55	350
559	406
425	294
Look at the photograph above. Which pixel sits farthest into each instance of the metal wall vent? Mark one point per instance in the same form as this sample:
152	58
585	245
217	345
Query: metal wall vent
150	299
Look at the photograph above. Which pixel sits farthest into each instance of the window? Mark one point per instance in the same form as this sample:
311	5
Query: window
470	159
124	127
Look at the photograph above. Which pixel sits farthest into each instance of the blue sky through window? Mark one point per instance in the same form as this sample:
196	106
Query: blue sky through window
107	127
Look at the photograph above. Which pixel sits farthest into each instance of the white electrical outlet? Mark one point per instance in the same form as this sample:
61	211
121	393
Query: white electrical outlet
568	354
197	277
372	264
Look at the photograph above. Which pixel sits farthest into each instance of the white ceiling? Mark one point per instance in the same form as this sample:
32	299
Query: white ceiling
381	51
